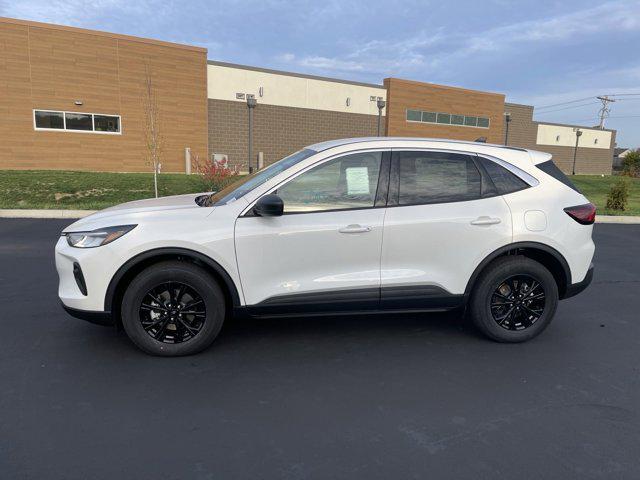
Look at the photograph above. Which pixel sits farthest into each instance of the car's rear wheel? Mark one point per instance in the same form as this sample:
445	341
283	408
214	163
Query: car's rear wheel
173	308
514	299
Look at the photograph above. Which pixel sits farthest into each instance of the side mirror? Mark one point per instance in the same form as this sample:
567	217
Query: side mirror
269	206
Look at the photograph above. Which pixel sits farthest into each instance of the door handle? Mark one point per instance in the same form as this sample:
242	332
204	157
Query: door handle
355	228
484	220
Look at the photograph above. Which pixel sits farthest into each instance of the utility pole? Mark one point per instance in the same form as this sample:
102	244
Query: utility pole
575	150
507	119
251	104
381	103
604	111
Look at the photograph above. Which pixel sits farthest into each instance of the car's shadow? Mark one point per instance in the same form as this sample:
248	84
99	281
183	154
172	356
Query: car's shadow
349	330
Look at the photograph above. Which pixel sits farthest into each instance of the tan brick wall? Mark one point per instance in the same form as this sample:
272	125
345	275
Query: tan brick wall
523	133
407	94
50	67
279	131
522	129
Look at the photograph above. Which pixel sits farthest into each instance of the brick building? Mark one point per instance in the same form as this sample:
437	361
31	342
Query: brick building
73	99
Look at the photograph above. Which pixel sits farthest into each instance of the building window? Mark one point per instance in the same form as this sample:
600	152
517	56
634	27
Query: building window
49	120
471	121
77	122
447	119
414	115
106	123
429	117
444	118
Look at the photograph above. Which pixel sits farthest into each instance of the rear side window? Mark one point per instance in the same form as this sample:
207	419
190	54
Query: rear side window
503	179
436	177
550	168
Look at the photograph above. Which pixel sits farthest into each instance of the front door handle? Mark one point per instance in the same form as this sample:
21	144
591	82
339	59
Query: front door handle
355	228
484	220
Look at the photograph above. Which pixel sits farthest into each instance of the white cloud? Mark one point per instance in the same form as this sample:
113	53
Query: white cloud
430	50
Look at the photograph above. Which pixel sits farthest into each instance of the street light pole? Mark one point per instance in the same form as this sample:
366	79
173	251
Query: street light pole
251	104
575	150
381	104
507	119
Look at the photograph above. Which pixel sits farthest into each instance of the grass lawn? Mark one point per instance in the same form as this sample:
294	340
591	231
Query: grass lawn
87	190
595	188
93	191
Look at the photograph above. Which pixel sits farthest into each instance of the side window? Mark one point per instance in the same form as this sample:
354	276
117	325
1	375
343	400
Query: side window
435	177
343	183
503	179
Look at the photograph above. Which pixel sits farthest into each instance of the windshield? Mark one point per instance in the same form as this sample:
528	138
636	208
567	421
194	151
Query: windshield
243	186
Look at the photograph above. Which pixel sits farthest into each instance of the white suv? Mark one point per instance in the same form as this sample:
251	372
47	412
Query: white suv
356	225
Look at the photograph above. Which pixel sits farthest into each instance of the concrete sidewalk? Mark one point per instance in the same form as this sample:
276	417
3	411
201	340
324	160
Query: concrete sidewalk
17	213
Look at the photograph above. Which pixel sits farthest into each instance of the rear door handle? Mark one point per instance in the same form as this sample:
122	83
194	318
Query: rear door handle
484	220
355	228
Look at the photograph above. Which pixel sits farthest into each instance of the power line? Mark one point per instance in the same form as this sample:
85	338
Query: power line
565	103
570	107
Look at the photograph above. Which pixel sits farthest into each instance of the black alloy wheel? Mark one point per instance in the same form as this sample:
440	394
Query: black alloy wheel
514	299
172	312
518	302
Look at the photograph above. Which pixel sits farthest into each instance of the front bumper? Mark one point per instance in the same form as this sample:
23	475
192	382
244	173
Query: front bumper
84	275
99	318
576	288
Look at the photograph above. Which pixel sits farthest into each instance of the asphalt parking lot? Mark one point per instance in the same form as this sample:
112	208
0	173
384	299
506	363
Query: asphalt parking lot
387	396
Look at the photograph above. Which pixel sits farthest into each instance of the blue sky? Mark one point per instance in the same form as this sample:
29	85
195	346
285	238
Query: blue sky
536	52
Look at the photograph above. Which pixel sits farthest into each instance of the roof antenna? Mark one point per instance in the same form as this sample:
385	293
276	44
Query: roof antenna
481	140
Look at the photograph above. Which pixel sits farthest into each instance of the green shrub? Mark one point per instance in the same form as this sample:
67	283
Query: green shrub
631	164
618	195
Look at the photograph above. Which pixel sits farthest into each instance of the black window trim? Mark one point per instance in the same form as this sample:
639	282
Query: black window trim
382	189
527	178
394	182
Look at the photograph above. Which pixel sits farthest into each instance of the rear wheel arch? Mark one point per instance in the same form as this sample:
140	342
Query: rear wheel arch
548	256
137	264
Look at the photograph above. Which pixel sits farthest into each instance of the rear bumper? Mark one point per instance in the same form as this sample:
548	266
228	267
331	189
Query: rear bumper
99	318
576	288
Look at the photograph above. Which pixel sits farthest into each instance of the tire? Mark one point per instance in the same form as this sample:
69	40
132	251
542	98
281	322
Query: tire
506	280
157	297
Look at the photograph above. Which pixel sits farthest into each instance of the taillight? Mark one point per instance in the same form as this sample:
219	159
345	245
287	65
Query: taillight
584	214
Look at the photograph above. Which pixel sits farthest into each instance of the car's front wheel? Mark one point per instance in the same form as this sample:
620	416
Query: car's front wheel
514	299
173	308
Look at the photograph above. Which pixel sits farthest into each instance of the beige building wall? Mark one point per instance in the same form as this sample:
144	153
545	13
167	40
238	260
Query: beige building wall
285	89
50	67
595	149
292	111
565	136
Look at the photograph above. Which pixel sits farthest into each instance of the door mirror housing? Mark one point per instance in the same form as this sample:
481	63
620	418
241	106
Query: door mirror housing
269	206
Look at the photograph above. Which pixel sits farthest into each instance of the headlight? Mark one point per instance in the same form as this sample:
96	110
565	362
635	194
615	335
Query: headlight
97	238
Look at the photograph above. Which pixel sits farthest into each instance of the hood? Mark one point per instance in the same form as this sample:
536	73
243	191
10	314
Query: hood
151	204
138	208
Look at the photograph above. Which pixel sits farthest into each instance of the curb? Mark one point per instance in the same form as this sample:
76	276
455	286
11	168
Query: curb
62	214
16	213
629	220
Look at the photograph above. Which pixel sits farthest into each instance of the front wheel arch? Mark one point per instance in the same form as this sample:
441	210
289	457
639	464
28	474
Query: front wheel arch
136	264
548	256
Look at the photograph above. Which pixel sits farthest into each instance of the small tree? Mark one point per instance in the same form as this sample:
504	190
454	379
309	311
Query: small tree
617	196
215	174
631	164
153	136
